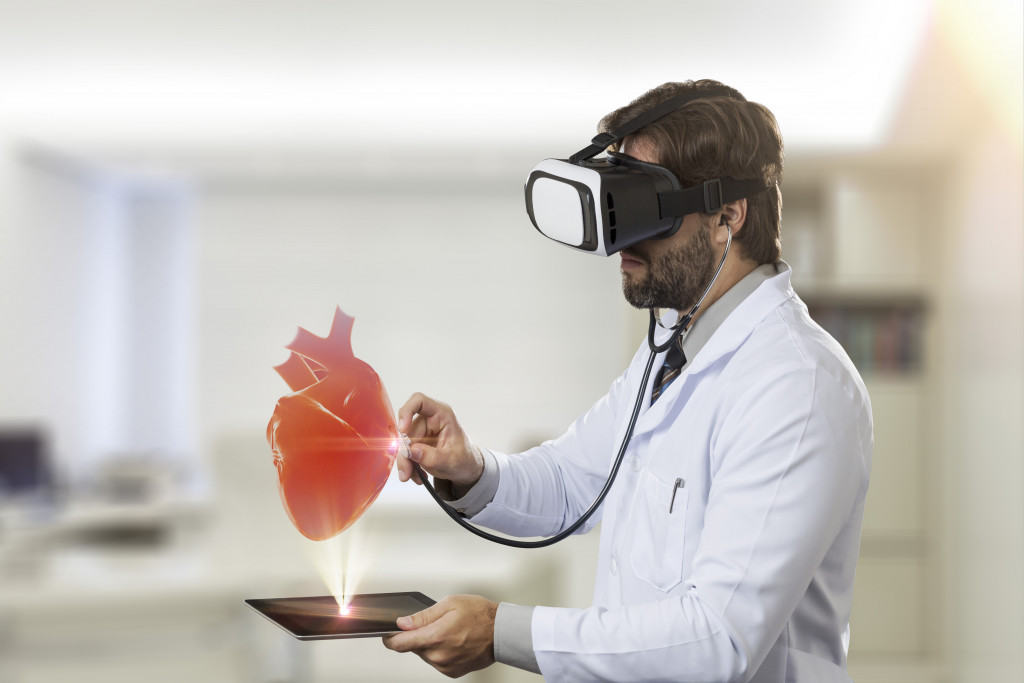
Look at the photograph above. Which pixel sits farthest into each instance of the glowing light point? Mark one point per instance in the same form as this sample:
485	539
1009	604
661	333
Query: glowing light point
343	609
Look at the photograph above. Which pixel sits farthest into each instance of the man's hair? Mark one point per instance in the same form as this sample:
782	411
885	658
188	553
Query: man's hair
721	136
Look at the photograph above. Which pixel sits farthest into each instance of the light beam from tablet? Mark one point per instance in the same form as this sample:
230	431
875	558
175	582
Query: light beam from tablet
341	562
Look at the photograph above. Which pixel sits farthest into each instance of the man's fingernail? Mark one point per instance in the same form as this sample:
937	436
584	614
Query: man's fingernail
404	622
415	454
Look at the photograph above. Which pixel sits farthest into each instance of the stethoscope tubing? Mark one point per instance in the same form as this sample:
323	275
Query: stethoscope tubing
678	330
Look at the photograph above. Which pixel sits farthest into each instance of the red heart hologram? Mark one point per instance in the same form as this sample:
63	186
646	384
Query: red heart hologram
335	438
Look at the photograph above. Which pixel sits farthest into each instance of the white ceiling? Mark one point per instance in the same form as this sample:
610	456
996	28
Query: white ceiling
447	72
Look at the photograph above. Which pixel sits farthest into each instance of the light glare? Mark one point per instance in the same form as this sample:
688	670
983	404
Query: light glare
341	562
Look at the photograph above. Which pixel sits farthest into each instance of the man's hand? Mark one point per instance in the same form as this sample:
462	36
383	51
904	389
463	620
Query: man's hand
455	636
438	444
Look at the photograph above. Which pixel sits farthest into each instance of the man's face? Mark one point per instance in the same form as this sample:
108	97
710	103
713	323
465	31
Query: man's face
671	272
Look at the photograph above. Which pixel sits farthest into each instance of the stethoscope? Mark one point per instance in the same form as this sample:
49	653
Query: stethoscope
679	331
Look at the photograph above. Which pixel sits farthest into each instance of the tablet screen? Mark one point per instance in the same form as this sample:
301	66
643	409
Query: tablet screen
319	617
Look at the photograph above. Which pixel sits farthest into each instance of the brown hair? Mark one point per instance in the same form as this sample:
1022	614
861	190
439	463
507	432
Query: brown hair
720	136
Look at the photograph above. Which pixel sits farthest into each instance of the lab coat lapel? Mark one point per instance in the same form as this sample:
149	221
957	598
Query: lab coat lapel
727	338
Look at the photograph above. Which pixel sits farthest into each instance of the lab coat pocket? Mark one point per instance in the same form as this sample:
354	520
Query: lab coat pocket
659	531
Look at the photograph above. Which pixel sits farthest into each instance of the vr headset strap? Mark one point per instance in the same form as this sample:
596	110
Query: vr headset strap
603	140
708	197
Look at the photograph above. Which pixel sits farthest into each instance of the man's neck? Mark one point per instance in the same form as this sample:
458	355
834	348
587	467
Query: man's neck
735	269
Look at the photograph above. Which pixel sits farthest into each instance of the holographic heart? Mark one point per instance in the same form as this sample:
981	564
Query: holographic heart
335	438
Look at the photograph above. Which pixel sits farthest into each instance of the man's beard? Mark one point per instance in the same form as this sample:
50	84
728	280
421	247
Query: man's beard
676	279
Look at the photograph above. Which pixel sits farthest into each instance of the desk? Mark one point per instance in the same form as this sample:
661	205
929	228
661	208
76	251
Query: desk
172	611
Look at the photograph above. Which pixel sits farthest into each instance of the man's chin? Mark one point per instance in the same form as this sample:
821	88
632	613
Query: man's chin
634	295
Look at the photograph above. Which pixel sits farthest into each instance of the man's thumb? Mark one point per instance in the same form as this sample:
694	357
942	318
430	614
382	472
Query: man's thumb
421	618
425	455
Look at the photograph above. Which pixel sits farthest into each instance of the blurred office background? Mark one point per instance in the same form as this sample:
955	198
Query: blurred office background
183	183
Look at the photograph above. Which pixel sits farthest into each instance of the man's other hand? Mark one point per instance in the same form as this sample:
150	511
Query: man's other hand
455	636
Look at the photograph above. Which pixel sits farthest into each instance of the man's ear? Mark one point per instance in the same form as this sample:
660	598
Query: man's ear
735	214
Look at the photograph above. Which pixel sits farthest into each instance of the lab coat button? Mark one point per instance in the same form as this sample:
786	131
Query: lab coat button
634	462
615	567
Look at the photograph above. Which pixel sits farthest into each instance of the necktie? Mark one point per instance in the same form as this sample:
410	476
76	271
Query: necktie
675	359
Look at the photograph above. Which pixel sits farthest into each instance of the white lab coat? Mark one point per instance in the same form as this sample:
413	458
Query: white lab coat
750	576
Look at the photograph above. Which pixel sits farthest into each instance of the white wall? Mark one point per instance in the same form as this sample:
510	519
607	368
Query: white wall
984	329
454	294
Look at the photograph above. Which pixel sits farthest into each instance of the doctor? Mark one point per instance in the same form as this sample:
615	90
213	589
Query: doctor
730	537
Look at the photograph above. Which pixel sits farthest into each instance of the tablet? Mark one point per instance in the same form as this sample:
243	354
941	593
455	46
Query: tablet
320	618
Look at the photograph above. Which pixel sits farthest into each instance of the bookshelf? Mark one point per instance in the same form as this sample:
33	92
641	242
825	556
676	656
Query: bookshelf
857	229
882	335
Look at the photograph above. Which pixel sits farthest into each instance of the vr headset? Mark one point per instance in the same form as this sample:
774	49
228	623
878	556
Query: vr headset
607	204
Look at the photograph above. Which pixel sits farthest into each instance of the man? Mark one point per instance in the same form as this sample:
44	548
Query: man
730	537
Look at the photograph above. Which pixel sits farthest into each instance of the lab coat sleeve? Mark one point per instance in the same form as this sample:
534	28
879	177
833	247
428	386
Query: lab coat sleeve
481	493
788	465
546	489
513	638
